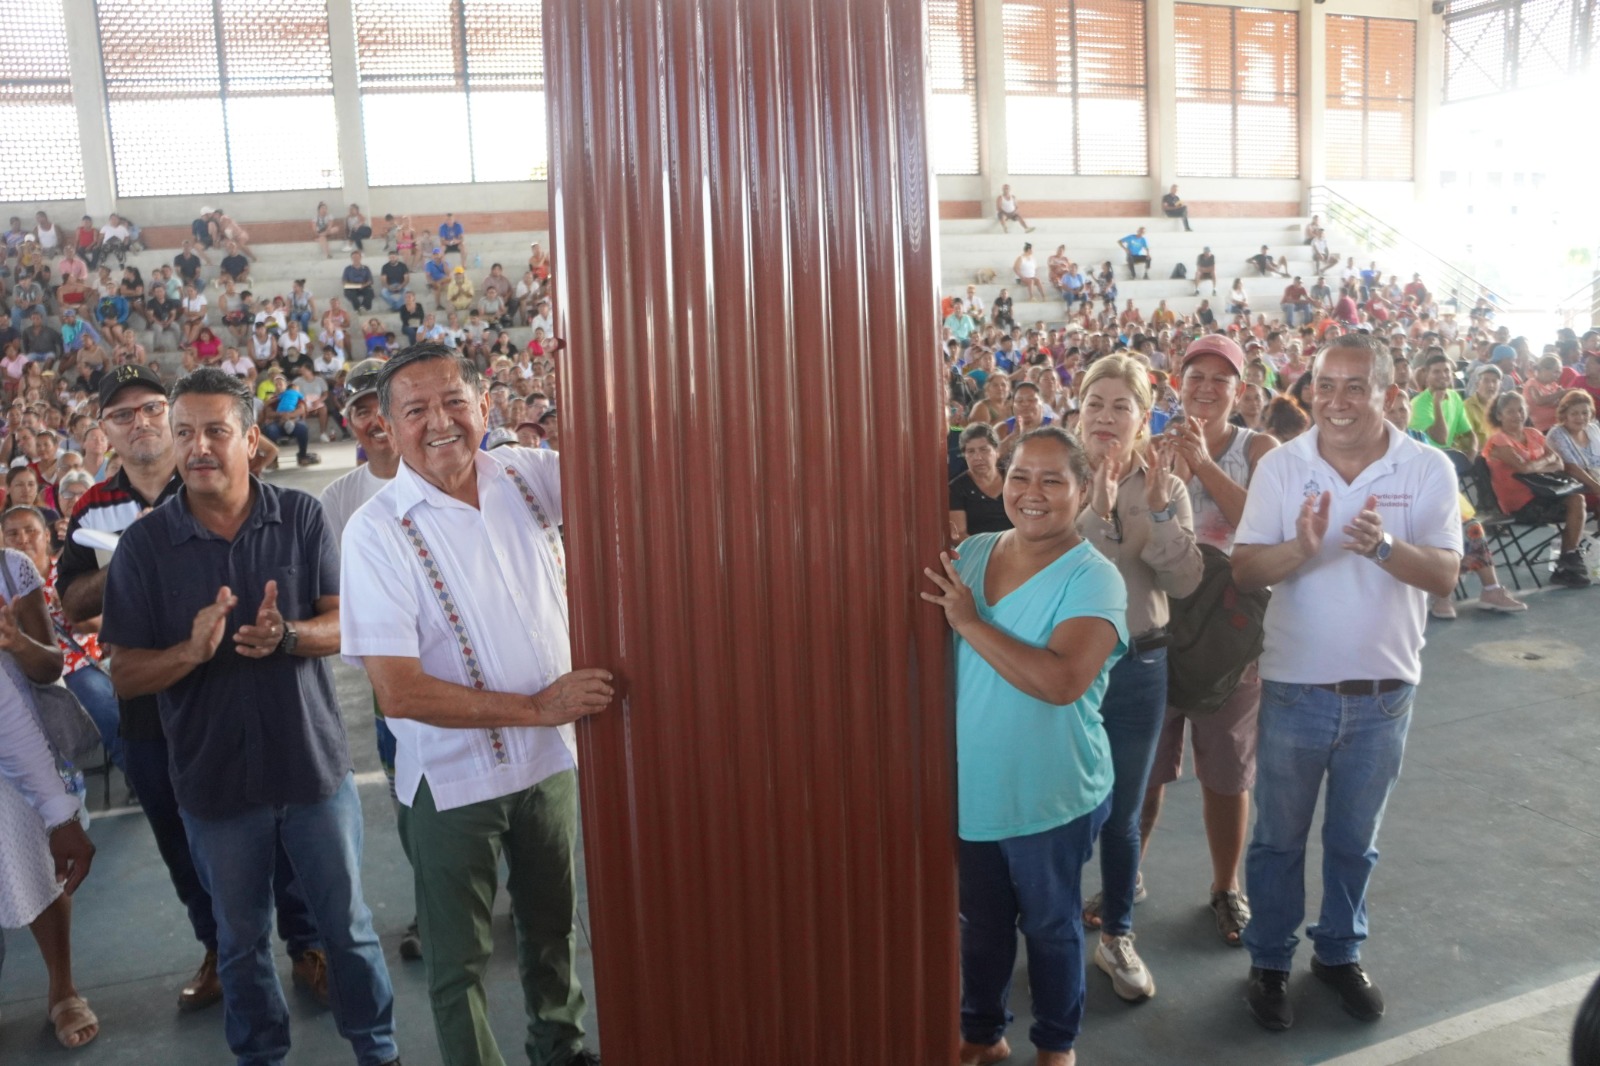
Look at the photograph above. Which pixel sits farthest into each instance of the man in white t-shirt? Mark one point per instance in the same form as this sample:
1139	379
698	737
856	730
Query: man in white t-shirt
1353	525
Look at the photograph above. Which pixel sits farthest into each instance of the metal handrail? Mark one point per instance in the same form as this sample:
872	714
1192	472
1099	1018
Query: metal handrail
1584	300
1450	283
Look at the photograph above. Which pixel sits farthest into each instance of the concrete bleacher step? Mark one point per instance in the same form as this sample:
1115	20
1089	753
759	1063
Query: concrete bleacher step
1271	228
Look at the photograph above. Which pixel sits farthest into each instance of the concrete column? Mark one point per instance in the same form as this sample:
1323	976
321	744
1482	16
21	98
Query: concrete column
992	144
89	100
347	103
1313	98
1161	74
1429	94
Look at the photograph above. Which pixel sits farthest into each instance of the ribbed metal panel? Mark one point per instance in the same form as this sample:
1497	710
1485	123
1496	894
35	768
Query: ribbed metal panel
752	459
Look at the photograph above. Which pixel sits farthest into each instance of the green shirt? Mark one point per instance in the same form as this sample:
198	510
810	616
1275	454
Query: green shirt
1452	407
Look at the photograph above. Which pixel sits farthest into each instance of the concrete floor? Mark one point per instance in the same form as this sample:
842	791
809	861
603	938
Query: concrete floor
1487	895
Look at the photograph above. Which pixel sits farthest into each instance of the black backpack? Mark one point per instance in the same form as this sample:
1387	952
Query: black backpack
1180	271
1213	635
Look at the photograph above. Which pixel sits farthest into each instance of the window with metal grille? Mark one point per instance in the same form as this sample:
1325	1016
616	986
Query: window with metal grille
470	71
37	119
1237	92
1503	45
211	96
953	86
1371	89
1075	87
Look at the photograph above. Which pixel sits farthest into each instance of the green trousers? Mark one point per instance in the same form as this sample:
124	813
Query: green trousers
455	857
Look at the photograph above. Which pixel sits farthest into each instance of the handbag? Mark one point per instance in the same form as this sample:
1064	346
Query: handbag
64	722
1216	632
1545	483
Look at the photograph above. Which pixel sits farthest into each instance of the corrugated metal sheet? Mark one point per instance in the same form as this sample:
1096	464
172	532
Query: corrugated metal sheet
753	458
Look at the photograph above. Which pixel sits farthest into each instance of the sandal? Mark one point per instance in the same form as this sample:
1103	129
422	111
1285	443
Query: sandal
1232	912
1091	908
71	1018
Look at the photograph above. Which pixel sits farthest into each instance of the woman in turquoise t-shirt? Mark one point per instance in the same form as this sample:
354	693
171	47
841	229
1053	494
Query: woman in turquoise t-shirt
1039	617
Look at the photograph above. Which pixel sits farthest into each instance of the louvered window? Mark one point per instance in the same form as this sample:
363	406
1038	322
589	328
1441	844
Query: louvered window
37	120
953	86
1237	93
209	96
452	91
1516	44
1075	87
1371	71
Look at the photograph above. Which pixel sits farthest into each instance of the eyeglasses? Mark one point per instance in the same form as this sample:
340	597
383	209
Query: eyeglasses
125	416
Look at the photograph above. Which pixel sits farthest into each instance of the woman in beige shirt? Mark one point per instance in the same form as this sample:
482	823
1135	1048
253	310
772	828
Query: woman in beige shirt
1139	517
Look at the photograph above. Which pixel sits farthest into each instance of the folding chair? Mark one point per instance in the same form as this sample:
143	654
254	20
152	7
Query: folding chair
1518	544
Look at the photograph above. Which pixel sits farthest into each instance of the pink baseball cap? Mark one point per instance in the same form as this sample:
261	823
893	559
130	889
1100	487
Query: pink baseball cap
1214	344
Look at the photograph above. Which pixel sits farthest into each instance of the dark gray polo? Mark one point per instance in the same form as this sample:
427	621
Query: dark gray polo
242	732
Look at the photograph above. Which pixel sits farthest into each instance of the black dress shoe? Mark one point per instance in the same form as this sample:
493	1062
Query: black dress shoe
1359	995
1267	992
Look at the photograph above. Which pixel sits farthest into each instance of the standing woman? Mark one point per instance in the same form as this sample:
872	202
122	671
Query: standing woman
44	852
1038	615
1215	459
976	505
1138	516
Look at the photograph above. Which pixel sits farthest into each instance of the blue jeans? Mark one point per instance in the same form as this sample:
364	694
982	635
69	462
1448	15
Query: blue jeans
1134	708
1032	883
147	764
1356	743
93	688
301	434
235	858
395	300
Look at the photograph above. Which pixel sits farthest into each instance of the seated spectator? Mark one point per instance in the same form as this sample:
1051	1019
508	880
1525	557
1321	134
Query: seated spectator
976	505
1265	264
1238	299
407	245
231	306
1438	411
302	305
357	280
22	489
1026	271
492	305
459	293
356	229
286	417
1516	448
411	316
1543	392
293	343
188	263
238	364
322	227
1296	301
232	231
1284	419
1006	211
372	336
452	236
1001	311
263	345
1172	206
204	350
235	264
318	396
395	276
115	239
1576	438
1138	249
336	327
275	316
72	265
205	233
86	242
439	275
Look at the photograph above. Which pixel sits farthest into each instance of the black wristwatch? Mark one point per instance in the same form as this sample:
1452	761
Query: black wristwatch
289	640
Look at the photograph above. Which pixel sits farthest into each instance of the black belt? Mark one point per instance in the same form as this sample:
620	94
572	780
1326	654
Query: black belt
1363	688
1156	638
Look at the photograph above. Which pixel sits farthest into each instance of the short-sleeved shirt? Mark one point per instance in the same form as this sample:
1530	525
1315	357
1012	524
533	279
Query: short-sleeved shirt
1340	616
1136	245
985	513
242	732
357	277
395	274
1025	766
236	265
1451	406
450	232
1586	455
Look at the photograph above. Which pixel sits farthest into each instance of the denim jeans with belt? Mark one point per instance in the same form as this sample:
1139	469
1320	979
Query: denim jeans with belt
1031	883
235	858
1355	743
1134	708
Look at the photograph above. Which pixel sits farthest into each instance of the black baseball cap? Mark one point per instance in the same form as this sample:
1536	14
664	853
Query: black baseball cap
125	375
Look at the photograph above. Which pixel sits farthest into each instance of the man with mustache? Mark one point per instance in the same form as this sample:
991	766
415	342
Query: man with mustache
224	603
133	407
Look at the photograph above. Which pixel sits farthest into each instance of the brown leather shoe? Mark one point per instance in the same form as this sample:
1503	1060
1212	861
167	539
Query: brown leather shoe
311	975
205	989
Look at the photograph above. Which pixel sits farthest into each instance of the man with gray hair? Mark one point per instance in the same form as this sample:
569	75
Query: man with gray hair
1342	658
224	602
455	597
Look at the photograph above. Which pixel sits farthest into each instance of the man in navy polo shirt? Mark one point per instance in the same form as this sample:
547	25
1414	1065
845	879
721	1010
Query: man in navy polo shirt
224	602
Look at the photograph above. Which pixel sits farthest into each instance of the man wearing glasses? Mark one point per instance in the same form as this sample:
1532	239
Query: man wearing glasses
133	406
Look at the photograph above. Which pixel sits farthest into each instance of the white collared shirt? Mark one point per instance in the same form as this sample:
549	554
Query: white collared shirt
1342	617
502	577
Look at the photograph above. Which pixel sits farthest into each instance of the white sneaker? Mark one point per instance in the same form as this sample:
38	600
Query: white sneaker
1129	976
1498	599
1441	607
